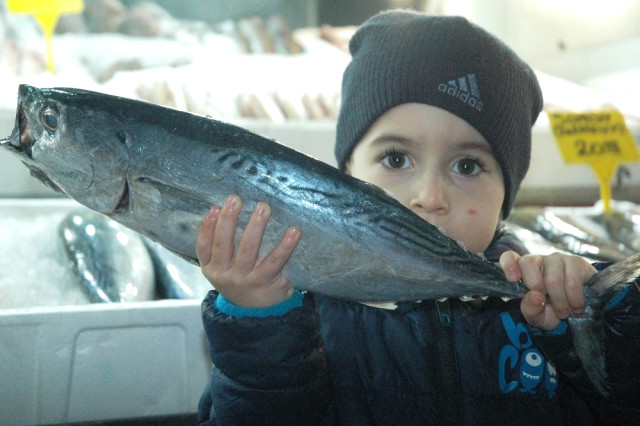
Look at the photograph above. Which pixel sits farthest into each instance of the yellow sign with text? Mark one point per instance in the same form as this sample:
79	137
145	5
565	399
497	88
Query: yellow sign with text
600	139
46	12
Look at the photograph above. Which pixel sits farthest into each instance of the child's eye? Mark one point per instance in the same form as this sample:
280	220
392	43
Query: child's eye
396	160
467	167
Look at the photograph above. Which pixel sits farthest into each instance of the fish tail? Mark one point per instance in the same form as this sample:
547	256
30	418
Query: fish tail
588	329
587	335
610	280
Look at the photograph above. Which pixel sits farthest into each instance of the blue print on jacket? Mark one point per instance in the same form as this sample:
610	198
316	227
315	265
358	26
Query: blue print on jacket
522	363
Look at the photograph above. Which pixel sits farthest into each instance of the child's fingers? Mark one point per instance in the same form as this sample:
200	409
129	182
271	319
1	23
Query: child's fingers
273	262
532	270
509	263
205	236
555	283
577	273
537	312
223	245
532	307
249	246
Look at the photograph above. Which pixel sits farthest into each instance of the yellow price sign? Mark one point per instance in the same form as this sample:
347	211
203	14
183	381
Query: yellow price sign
46	12
600	139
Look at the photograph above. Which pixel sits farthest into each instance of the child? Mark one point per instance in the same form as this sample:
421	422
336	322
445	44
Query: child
438	112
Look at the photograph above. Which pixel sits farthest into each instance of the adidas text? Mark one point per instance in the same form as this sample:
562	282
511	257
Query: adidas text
464	88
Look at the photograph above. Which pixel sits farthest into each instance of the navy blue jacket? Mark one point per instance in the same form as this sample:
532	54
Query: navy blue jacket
474	363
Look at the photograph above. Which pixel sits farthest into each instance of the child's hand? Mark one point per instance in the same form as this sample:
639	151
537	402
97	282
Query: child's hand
240	275
559	276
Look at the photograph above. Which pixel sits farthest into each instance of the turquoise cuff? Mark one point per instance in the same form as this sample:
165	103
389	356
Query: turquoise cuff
226	307
617	299
560	329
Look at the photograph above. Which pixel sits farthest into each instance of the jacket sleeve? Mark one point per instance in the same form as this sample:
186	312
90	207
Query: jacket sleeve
266	370
621	339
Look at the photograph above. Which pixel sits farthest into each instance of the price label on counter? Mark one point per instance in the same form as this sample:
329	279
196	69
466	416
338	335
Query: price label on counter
600	139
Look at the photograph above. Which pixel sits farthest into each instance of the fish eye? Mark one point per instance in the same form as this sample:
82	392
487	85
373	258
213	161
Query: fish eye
49	117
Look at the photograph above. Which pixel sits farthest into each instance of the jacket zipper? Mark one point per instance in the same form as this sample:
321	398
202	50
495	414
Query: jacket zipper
450	395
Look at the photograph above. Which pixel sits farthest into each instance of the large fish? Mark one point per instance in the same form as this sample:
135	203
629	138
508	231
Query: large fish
159	170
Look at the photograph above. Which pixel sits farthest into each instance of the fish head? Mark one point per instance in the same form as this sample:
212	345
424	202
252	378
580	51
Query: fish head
71	145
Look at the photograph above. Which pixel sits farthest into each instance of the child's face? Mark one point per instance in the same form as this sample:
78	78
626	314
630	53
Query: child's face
438	165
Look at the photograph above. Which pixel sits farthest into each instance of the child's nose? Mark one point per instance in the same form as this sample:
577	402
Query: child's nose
429	196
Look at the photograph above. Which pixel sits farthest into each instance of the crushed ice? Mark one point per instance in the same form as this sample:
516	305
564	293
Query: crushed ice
33	269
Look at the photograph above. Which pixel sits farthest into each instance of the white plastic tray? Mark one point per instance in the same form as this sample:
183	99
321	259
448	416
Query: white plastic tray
94	362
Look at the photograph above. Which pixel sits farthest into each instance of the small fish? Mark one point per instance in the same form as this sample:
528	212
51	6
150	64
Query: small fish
110	261
569	234
623	227
159	170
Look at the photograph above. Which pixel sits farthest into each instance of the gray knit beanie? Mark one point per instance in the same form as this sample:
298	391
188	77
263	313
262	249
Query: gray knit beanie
447	62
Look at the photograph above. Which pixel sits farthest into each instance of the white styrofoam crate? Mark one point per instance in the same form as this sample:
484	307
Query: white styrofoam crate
94	362
101	362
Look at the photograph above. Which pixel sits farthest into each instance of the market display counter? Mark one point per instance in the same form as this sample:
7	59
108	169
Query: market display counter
88	362
101	362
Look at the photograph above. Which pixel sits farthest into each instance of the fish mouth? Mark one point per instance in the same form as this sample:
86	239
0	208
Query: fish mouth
21	139
123	204
25	138
21	142
42	177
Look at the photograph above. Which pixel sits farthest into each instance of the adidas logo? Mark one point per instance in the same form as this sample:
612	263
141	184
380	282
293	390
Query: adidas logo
464	88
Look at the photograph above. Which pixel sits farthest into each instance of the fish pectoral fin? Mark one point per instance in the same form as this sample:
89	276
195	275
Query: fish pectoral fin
174	198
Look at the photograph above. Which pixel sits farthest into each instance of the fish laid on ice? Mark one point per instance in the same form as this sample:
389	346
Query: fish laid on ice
110	261
570	234
159	170
623	227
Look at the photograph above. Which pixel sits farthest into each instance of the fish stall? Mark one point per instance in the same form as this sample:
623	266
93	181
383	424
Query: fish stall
97	322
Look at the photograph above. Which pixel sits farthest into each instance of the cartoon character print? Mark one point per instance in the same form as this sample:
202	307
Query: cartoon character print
522	361
531	370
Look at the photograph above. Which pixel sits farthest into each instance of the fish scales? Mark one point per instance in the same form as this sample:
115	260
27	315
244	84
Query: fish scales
158	171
